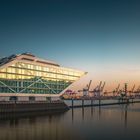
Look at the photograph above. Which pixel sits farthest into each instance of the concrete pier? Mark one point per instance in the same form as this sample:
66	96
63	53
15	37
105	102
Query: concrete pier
18	106
98	102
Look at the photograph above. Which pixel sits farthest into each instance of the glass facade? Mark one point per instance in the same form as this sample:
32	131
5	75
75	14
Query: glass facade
27	77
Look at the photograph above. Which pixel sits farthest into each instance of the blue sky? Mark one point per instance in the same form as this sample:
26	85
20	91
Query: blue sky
98	36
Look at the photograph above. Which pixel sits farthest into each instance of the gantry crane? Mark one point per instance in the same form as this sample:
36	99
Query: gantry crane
98	89
86	89
137	91
116	90
131	91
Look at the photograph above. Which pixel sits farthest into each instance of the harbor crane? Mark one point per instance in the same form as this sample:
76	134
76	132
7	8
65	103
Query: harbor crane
98	89
132	90
137	91
116	90
86	89
123	93
102	88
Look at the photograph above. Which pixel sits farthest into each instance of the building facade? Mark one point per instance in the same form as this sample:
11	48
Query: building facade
27	75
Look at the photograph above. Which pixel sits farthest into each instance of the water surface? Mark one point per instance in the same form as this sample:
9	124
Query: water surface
108	122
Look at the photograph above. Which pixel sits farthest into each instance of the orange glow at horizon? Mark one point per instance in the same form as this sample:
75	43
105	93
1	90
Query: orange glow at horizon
112	79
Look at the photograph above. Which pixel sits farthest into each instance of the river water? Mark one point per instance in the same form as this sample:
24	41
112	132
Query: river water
117	122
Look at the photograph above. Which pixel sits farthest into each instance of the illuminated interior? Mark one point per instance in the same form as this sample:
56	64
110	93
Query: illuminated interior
24	76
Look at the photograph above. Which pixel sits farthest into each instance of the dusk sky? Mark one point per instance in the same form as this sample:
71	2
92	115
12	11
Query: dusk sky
101	37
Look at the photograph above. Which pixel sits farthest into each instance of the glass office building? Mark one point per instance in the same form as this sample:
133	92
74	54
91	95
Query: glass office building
26	74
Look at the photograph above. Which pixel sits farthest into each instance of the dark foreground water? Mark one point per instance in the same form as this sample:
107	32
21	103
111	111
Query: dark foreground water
92	123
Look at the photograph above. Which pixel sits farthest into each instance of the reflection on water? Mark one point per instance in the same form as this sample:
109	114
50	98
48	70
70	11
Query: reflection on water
125	116
108	122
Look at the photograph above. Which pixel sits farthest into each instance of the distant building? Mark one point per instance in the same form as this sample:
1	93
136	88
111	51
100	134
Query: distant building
30	77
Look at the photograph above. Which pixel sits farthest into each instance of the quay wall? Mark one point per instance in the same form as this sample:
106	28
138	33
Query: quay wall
19	106
84	103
